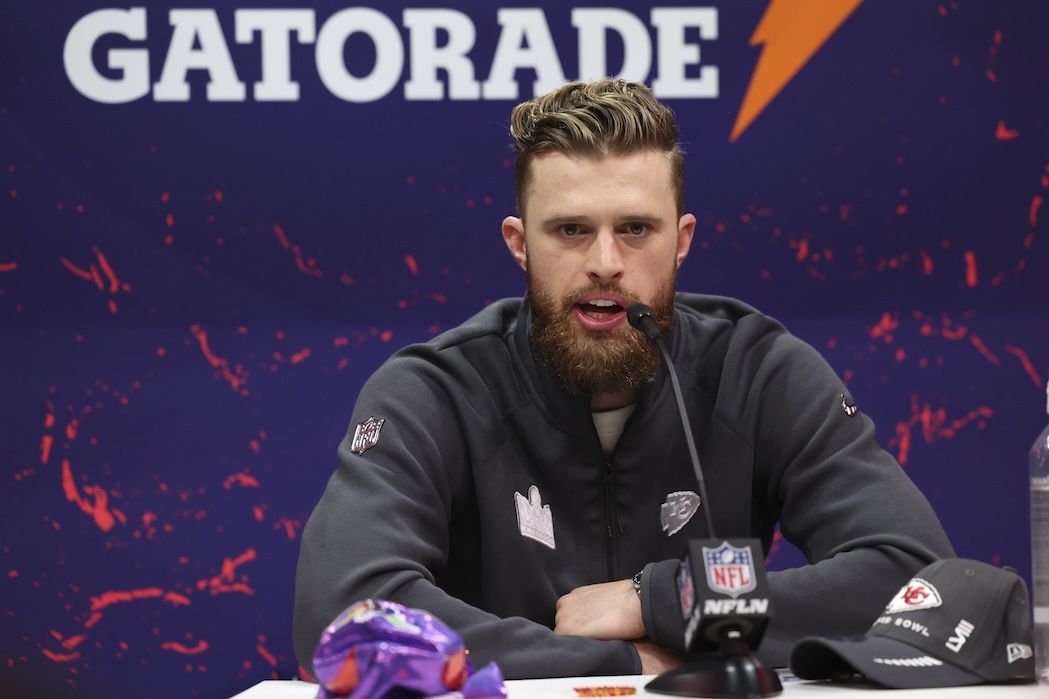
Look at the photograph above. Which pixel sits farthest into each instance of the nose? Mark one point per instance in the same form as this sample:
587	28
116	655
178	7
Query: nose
604	259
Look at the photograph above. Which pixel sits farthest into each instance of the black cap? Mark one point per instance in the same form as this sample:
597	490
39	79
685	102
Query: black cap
957	622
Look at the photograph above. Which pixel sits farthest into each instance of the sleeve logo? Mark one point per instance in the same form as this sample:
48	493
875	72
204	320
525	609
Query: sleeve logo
366	435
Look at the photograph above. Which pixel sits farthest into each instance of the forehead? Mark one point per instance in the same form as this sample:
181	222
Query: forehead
562	184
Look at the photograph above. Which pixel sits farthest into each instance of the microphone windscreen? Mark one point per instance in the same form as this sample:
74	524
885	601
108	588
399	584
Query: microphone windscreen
637	313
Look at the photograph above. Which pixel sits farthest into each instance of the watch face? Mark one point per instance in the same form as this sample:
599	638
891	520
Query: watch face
637	582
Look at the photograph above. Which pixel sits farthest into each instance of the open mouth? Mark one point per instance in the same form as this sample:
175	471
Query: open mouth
598	314
599	309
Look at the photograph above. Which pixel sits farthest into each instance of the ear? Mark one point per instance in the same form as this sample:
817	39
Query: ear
514	237
686	228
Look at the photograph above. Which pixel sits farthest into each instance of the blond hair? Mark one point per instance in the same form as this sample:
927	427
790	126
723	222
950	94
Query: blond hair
597	119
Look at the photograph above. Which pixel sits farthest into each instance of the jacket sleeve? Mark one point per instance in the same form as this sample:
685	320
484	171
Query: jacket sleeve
382	529
845	502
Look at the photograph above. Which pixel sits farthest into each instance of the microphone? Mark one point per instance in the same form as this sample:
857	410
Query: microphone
721	586
641	317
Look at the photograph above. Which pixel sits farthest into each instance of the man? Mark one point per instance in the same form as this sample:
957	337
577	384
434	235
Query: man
512	475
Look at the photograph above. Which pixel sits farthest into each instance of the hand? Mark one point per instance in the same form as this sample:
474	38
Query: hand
607	611
655	660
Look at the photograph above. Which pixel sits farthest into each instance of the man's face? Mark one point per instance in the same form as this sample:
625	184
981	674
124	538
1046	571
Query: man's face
598	235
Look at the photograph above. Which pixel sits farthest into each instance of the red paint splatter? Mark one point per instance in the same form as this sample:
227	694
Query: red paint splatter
970	269
8	266
45	448
1027	364
386	335
266	655
1005	134
224	581
236	377
934	425
803	250
300	356
71	429
72	642
114	283
200	647
97	509
240	479
413	266
91	274
111	597
926	262
148	518
987	354
884	328
291	526
1032	214
60	657
305	266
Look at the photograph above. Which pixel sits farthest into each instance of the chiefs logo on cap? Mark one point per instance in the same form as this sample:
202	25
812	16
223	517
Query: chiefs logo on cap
916	594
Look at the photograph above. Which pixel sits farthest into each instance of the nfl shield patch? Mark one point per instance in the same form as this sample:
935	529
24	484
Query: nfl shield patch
366	435
730	570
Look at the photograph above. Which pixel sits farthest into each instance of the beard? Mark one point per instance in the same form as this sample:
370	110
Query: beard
593	363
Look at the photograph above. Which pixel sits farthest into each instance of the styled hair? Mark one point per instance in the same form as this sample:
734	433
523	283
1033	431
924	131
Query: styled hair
598	119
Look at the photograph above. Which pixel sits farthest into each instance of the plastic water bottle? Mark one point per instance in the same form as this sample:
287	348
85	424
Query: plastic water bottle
1039	464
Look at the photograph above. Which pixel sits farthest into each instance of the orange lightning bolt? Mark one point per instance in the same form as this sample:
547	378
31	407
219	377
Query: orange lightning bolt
792	31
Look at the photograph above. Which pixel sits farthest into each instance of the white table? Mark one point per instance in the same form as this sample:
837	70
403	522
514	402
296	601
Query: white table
563	688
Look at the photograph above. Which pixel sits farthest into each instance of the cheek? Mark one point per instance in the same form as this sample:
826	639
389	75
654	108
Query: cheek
550	270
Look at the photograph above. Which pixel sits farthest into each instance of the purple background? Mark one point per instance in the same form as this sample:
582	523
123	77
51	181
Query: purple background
167	429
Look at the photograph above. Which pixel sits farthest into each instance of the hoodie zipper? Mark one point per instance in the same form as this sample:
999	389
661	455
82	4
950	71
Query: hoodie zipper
612	525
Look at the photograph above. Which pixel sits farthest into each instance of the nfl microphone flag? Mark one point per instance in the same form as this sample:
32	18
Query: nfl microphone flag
722	588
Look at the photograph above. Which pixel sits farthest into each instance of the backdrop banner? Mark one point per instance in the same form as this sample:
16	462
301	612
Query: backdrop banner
217	220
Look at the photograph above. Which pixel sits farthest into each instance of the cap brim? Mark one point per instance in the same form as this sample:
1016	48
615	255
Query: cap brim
885	661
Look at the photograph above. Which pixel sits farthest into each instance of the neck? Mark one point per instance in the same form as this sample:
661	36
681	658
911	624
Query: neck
612	401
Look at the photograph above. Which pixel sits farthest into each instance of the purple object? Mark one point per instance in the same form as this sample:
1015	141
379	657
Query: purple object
377	646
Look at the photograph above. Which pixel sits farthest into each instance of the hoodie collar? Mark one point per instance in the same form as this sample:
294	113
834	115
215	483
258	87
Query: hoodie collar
565	411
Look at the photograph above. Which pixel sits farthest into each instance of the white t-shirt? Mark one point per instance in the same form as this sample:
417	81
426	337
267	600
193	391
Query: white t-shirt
609	424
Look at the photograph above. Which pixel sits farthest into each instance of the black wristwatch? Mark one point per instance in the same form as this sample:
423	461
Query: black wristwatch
637	581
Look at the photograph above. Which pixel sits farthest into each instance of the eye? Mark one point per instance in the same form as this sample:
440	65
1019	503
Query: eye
569	230
636	229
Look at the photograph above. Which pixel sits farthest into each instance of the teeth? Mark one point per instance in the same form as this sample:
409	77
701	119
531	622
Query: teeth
602	303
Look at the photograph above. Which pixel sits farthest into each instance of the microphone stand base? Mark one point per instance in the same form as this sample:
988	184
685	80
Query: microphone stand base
717	675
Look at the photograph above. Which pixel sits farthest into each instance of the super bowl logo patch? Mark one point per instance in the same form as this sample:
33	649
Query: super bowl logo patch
534	519
848	405
366	435
730	569
916	594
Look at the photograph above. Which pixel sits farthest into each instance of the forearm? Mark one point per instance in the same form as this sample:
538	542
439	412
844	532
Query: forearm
841	596
345	558
522	648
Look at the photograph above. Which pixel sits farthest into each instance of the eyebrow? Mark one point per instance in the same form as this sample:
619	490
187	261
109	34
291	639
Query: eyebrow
586	220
